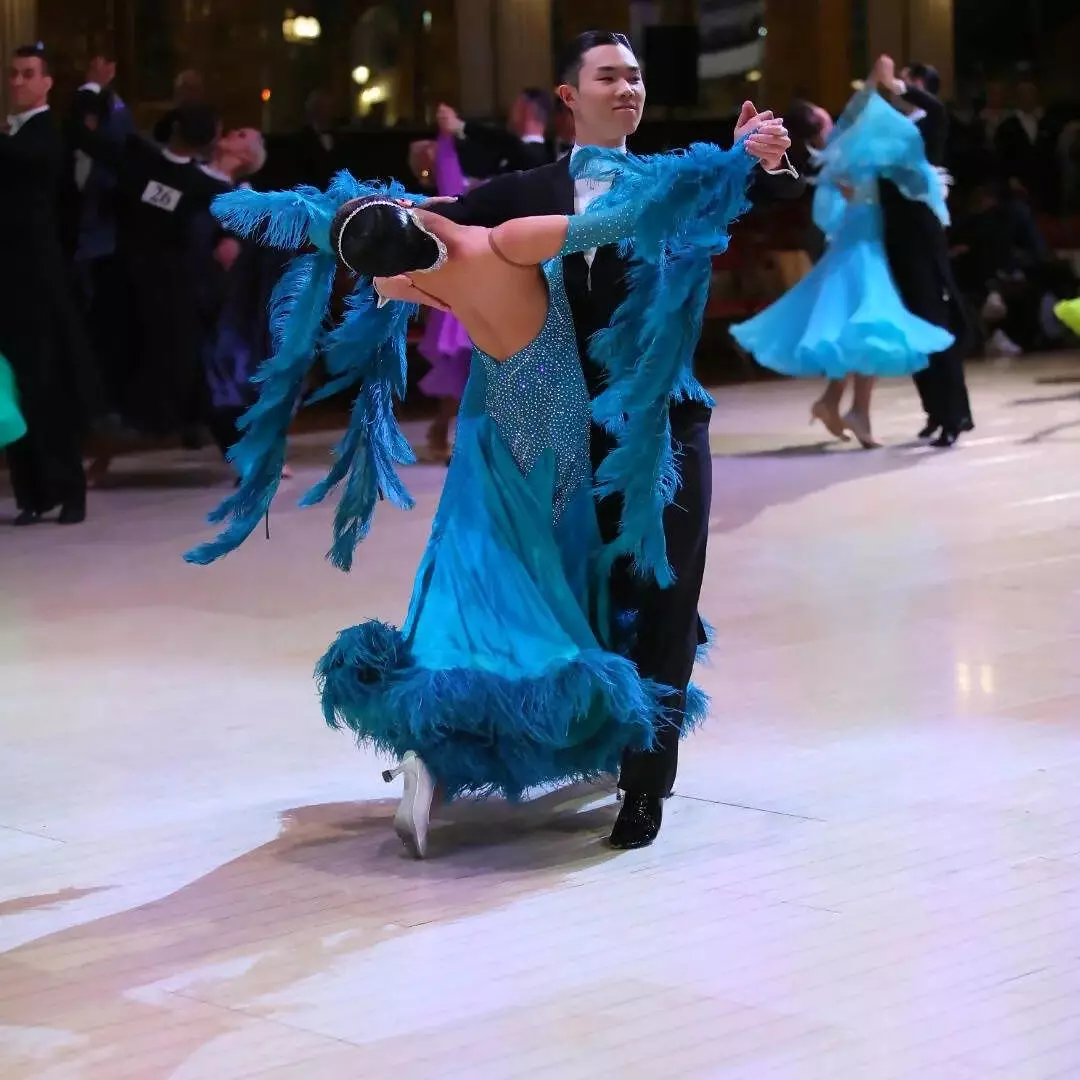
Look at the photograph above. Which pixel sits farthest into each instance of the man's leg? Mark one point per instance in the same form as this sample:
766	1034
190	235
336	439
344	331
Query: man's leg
668	635
928	384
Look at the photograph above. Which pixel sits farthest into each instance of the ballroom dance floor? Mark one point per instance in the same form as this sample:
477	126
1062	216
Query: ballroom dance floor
870	868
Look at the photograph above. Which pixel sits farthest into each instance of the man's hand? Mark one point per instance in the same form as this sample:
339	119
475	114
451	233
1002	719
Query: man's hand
402	288
410	203
749	119
448	122
884	74
767	138
227	252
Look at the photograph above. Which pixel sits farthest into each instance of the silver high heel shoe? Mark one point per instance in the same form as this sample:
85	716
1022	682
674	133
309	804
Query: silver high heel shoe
414	811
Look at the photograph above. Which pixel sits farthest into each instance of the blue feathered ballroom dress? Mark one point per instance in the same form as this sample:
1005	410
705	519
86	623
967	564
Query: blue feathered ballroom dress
846	315
504	676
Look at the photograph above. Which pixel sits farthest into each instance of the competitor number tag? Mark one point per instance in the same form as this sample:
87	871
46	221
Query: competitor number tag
162	196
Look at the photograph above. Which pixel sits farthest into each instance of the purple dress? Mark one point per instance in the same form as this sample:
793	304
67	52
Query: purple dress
445	344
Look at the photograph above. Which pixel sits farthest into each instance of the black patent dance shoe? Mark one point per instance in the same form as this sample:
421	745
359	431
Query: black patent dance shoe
638	823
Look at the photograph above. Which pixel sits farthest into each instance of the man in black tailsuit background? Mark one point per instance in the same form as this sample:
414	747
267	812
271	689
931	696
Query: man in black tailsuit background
917	249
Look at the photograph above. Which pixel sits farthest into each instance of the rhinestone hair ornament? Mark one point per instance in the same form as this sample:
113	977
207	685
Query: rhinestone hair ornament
440	258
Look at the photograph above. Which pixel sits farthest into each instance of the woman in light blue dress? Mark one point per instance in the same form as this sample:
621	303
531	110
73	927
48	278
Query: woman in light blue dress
505	675
845	318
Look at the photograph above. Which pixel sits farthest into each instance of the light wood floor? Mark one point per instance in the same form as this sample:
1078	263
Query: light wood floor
870	870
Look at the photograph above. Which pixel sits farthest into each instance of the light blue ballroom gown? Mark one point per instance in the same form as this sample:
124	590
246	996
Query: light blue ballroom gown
846	315
504	675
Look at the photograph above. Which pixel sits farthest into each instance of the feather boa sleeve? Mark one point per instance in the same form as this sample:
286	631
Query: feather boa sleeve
682	205
368	349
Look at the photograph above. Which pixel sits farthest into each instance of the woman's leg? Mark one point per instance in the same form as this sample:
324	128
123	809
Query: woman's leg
827	408
857	420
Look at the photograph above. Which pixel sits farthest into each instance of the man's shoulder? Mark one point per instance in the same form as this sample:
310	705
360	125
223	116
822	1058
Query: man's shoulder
537	190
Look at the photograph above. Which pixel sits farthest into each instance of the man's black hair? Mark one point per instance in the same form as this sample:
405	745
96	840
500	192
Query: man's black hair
928	75
28	52
574	54
196	126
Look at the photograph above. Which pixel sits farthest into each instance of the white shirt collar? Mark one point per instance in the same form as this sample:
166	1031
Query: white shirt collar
532	138
93	87
576	148
176	159
217	174
17	122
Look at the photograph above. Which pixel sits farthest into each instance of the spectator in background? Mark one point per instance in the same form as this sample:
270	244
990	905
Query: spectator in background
235	279
90	217
1006	271
562	124
41	333
316	151
522	144
188	89
1025	148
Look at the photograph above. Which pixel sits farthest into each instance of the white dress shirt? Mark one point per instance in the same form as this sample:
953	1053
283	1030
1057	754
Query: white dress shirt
585	191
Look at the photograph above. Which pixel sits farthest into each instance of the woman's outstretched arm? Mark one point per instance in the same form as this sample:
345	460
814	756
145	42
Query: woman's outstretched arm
529	241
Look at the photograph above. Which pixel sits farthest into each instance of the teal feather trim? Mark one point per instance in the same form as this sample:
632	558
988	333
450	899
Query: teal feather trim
368	349
571	723
300	302
277	219
683	205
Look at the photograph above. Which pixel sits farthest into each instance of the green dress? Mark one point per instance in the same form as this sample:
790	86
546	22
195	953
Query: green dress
12	424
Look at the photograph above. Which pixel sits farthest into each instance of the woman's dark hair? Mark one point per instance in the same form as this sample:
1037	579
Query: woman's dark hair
804	127
573	56
195	126
928	75
375	237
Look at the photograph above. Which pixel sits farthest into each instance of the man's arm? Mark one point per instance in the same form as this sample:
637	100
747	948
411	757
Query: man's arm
489	204
776	185
85	132
767	140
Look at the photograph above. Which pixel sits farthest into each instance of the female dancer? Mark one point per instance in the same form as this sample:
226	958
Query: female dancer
503	676
845	318
445	344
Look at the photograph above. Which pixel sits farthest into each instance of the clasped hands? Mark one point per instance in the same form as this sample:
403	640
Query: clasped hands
766	137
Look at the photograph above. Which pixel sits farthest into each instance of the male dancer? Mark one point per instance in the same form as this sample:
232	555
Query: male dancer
917	250
602	86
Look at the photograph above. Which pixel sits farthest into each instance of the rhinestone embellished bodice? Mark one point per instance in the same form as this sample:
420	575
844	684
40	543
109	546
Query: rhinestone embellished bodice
538	399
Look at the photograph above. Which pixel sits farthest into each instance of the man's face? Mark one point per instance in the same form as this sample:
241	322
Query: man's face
238	141
28	83
608	101
519	115
101	70
824	124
